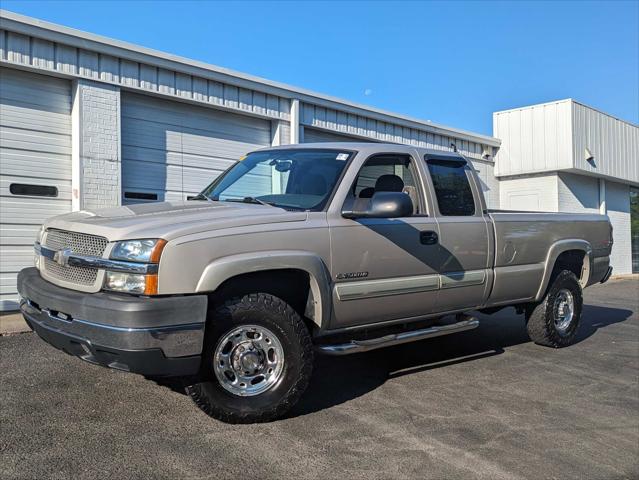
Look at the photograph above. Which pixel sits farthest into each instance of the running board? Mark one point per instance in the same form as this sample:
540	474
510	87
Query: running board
357	346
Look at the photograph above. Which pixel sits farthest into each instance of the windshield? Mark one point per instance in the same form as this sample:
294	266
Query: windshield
294	179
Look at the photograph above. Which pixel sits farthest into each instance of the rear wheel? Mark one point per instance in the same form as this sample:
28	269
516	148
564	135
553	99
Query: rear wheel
257	360
554	321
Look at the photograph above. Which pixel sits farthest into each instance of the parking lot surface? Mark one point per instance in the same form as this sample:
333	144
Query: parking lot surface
481	404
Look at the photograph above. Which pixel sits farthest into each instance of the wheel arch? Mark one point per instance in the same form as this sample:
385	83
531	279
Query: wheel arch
578	255
225	269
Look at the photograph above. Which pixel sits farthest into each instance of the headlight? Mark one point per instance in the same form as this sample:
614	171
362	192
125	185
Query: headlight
40	234
131	283
144	251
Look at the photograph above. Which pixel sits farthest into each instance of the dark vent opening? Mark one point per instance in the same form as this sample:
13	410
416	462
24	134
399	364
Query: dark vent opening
33	190
140	196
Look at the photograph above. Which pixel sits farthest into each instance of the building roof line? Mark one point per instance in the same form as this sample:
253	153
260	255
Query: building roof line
81	39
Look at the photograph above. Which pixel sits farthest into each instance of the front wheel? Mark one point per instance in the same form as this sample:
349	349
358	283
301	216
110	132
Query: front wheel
554	321
257	360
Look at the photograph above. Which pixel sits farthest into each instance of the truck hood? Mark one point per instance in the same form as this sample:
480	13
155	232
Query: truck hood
170	220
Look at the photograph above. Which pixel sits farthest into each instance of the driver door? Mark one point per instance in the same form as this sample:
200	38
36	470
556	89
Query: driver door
384	269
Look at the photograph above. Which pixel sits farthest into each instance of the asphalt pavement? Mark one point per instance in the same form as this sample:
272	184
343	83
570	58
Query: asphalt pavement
485	403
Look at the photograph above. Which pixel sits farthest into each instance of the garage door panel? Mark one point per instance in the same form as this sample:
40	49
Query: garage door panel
208	162
223	147
179	148
35	149
35	164
35	100
63	187
31	210
21	117
142	154
152	176
15	234
312	135
189	117
35	141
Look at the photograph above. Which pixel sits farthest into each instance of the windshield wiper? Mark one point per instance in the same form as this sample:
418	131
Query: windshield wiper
251	200
201	196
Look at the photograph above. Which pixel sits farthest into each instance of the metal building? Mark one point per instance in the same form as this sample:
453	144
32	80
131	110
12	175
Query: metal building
566	157
87	122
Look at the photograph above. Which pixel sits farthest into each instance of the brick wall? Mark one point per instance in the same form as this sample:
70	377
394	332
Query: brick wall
99	144
578	193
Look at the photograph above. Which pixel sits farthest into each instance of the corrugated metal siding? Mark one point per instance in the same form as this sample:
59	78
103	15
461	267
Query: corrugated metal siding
33	52
174	150
613	143
534	139
363	127
554	136
35	149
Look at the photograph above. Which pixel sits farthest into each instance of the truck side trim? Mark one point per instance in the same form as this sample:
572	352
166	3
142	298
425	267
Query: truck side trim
403	285
387	286
225	268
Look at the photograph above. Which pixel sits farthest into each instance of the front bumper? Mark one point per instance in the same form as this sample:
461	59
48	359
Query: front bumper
149	336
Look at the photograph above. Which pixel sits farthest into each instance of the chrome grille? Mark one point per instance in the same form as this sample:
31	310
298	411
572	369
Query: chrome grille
81	243
76	275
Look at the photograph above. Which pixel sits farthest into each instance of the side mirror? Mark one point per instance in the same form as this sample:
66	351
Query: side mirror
384	205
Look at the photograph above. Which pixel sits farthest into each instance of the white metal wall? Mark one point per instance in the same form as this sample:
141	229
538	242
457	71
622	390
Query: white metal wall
534	139
312	135
173	150
554	136
35	149
613	143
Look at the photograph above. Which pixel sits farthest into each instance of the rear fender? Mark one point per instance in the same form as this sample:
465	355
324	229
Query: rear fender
557	249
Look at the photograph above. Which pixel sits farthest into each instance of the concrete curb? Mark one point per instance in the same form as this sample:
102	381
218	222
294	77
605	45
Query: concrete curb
11	322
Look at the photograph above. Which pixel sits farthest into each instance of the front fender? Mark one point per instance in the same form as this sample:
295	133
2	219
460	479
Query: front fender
557	249
222	269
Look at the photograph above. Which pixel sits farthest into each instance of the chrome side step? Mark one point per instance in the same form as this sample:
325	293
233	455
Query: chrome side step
357	346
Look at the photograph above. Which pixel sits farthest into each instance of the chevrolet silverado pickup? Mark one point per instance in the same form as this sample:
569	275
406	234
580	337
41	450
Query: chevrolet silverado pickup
333	248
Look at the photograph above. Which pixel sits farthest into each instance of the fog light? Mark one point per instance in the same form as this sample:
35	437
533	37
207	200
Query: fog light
131	283
36	261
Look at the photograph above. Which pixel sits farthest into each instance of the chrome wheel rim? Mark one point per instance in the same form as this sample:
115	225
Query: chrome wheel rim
248	360
564	310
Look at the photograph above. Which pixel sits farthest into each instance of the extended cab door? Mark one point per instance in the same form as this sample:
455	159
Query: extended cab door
464	233
383	269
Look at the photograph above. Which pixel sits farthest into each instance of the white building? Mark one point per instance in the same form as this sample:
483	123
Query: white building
566	157
87	122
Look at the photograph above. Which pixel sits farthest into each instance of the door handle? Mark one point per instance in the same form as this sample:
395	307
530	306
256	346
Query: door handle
428	238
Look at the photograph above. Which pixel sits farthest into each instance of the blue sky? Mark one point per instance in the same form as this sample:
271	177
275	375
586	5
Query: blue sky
453	63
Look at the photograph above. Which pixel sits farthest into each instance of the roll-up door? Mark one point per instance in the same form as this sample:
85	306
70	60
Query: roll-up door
312	135
172	150
35	166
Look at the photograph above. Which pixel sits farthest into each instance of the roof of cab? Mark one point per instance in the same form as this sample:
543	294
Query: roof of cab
369	148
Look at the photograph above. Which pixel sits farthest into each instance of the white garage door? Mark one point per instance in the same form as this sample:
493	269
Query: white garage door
35	166
312	135
172	150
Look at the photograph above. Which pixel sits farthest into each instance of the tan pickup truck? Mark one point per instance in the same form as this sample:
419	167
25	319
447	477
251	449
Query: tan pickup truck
336	248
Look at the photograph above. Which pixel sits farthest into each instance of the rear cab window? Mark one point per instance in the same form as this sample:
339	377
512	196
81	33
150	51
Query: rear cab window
452	187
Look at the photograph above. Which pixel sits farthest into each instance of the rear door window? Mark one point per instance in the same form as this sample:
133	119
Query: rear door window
452	187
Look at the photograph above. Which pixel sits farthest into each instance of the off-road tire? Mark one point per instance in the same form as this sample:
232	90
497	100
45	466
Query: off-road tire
276	315
540	317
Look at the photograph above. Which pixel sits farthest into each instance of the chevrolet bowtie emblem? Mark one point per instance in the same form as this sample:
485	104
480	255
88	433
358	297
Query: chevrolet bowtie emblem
61	257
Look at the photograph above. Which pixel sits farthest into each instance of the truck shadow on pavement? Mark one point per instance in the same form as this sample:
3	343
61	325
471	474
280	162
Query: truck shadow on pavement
337	380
